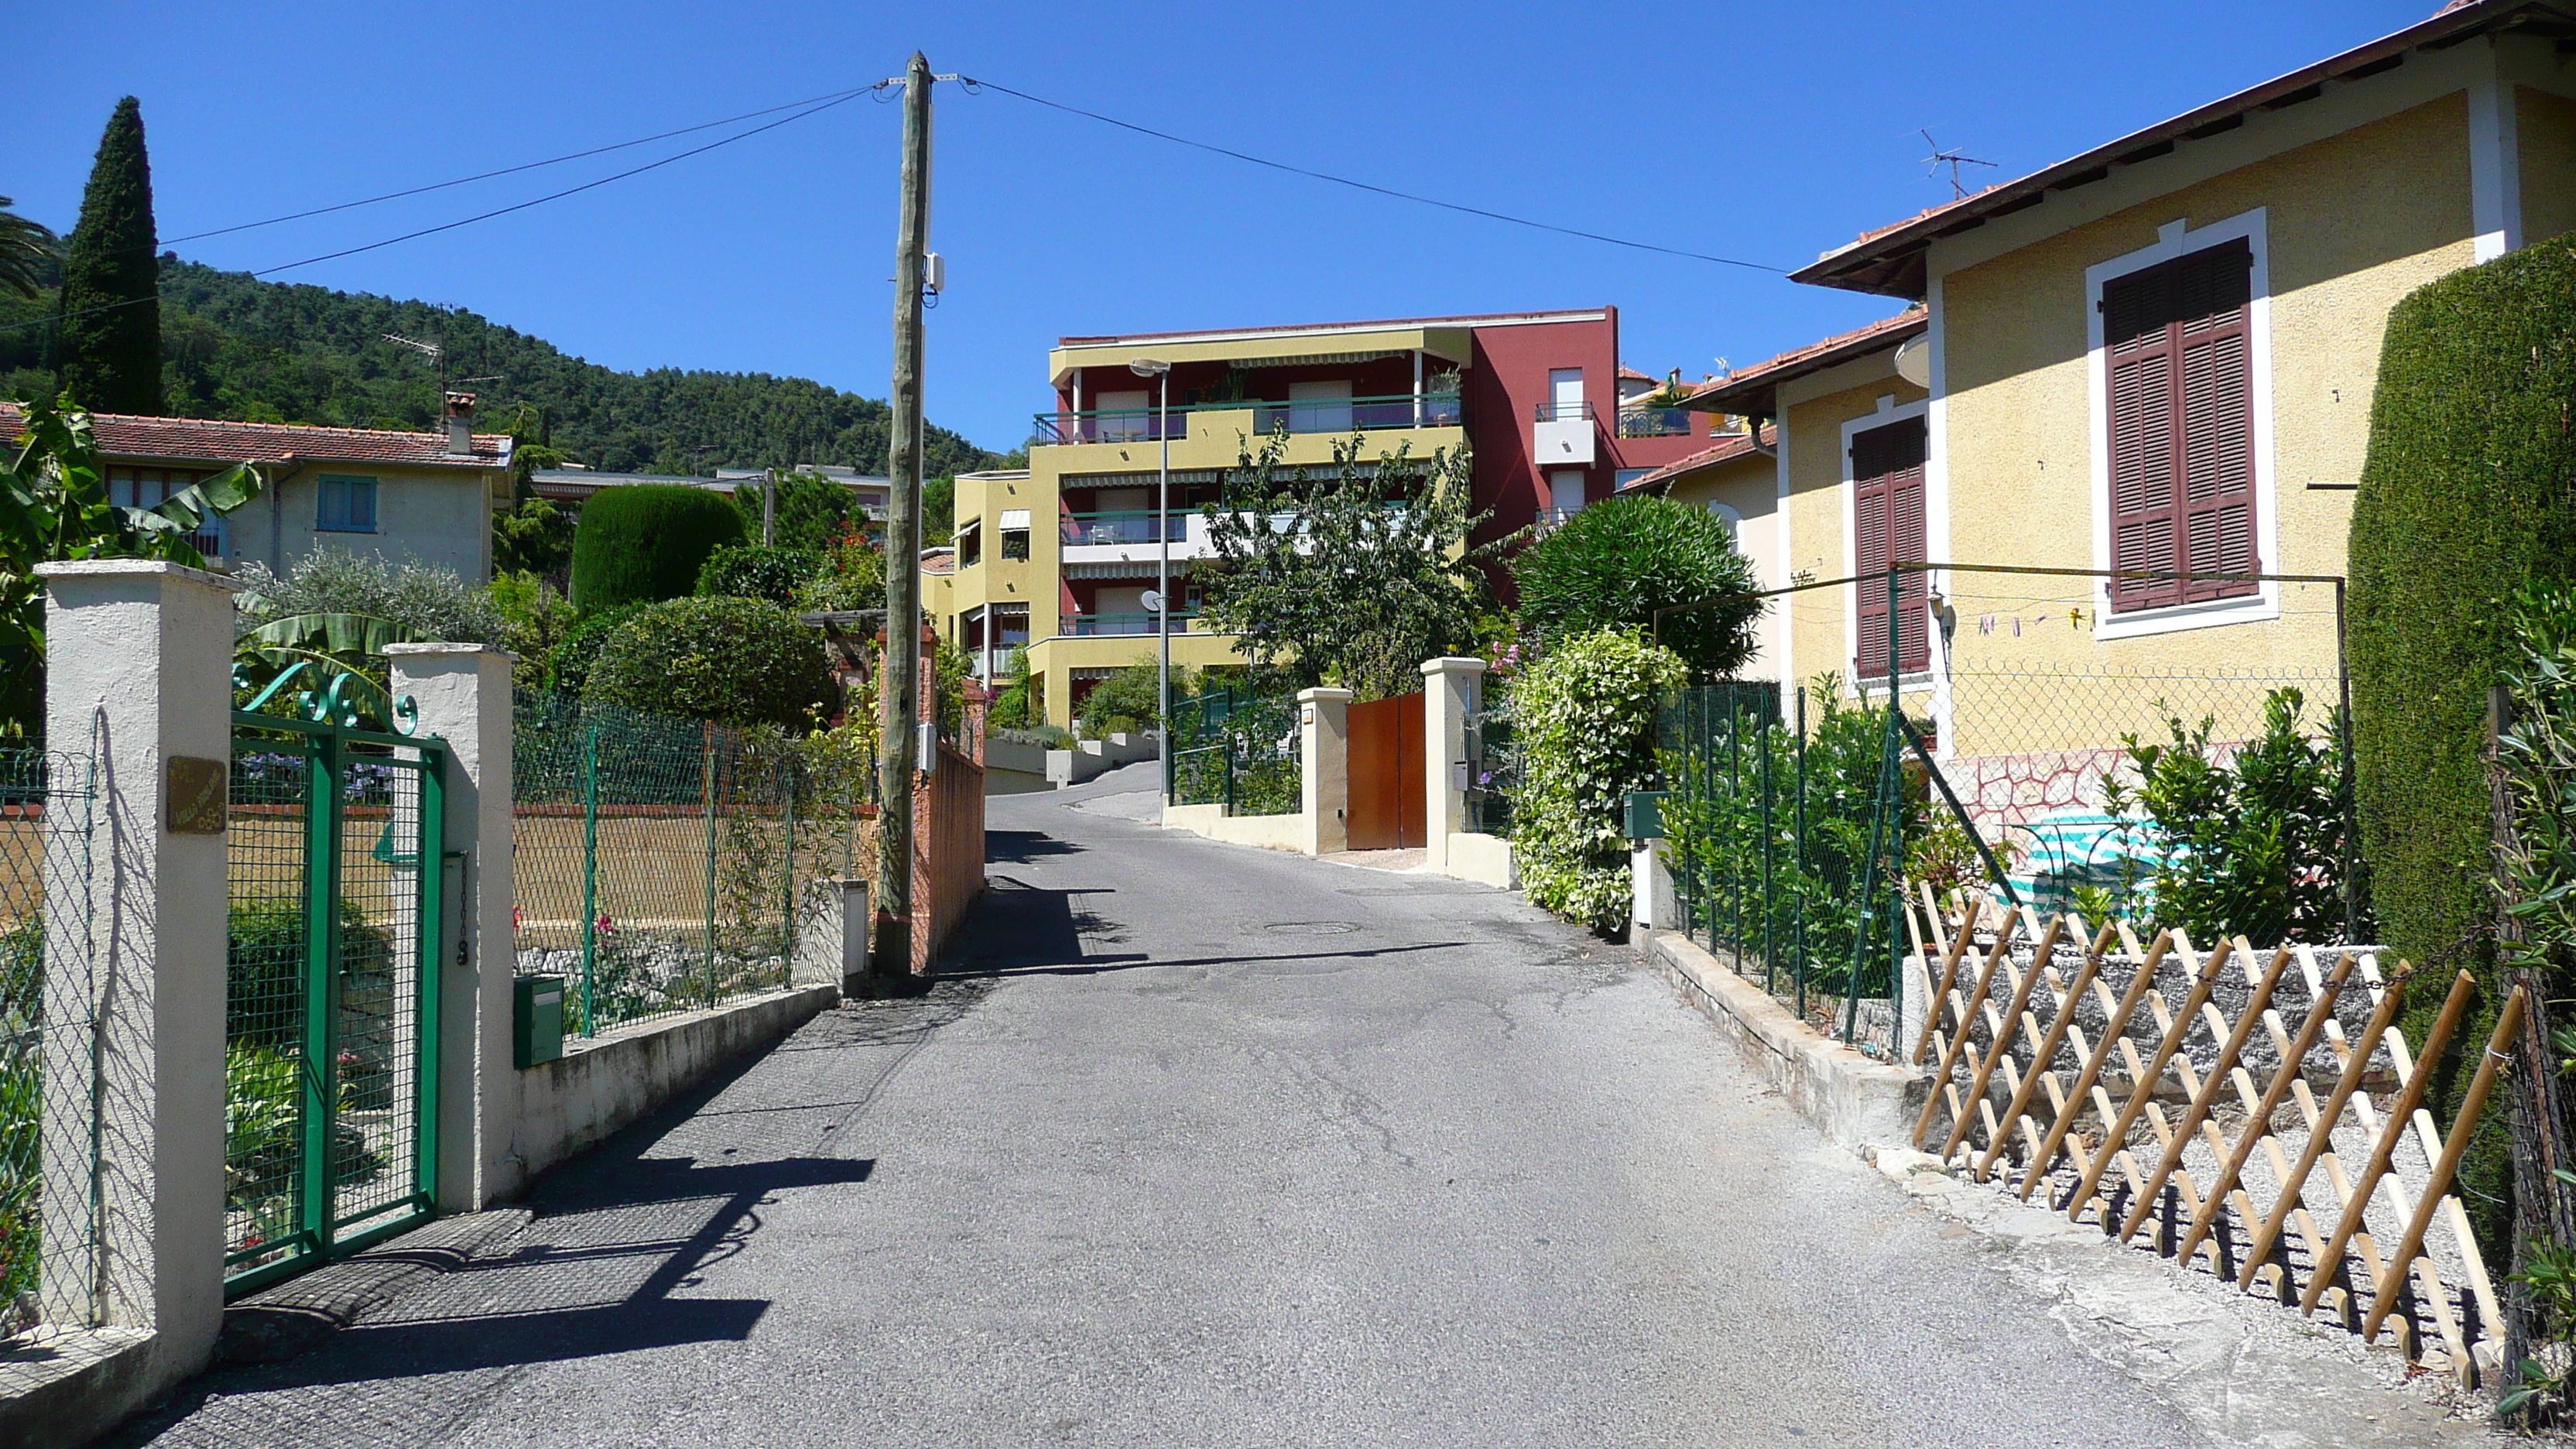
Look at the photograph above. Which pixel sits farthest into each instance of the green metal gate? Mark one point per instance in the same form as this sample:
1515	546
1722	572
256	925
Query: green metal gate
331	987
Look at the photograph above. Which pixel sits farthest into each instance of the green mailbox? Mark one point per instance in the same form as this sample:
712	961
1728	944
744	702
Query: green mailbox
536	1020
1644	817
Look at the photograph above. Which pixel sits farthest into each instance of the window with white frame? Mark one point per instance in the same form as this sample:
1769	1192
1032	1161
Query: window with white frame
2177	343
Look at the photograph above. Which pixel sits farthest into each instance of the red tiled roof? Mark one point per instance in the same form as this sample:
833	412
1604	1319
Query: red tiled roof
1799	361
1726	450
1630	374
203	440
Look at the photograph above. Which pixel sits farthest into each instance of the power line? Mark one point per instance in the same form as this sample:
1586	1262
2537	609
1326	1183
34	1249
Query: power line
834	96
974	85
815	109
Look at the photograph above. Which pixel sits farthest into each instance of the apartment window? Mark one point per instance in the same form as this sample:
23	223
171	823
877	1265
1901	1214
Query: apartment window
970	543
1010	625
348	505
1628	476
1564	494
1015	533
1887	527
2179	343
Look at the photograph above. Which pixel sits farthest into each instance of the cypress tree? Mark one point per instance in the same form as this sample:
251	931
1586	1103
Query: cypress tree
109	326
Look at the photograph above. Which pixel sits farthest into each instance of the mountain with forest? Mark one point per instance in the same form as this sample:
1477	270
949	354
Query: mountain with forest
238	348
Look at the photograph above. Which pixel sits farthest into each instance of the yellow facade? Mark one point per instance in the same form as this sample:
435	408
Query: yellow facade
981	577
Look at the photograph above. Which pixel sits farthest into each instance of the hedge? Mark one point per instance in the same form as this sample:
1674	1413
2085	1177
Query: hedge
647	542
2463	497
1584	716
758	571
1614	564
568	668
733	661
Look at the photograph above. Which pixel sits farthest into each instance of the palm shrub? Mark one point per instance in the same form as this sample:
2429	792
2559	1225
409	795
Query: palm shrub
758	571
1617	562
733	661
647	543
1584	715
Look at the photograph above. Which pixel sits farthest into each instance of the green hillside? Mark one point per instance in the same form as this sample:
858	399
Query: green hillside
239	348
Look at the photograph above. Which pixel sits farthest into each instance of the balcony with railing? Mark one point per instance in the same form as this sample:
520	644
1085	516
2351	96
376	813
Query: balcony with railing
1090	626
1654	423
1125	526
1561	412
1303	415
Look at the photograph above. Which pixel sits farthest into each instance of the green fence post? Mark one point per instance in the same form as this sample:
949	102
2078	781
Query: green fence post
314	1187
710	772
589	878
429	849
1734	844
1770	959
1798	960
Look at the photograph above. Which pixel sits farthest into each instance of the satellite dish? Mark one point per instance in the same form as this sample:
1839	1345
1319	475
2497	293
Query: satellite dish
1153	601
1914	360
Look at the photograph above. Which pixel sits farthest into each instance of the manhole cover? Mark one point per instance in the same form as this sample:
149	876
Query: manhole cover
1311	928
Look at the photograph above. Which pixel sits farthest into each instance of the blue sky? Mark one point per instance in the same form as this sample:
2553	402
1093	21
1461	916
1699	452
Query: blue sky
1762	132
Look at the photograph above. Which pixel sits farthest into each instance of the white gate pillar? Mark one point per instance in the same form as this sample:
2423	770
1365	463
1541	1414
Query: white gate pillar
463	693
1450	687
1324	743
139	677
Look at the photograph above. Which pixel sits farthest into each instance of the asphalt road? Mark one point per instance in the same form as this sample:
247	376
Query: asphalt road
1204	1145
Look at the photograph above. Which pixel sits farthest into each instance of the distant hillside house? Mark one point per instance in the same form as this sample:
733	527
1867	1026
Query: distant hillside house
569	488
403	496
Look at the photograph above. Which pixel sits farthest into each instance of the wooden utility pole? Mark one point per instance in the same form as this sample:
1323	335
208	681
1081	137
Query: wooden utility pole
899	671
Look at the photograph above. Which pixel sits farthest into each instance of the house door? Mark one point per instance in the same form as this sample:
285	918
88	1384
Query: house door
1388	801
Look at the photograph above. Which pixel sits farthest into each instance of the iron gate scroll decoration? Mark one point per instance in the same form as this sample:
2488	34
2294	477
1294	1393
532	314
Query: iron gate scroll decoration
332	969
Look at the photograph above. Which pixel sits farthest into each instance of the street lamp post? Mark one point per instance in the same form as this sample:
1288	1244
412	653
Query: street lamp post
1161	372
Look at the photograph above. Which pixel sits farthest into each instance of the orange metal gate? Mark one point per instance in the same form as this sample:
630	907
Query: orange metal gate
1387	792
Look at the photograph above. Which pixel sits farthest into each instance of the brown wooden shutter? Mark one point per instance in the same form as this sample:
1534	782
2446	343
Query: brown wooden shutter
1888	527
2179	339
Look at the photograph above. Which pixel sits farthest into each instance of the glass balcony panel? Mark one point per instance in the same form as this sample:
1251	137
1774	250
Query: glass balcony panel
1121	527
1087	626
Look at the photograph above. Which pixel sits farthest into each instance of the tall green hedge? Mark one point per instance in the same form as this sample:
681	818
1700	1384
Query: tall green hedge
2466	493
646	543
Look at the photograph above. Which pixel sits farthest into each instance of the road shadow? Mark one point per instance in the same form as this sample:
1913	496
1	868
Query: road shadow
1020	847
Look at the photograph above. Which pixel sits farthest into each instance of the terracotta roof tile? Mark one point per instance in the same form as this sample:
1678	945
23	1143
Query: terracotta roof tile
1789	363
1726	450
203	440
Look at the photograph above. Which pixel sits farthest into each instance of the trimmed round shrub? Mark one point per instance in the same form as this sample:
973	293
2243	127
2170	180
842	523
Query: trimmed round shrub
758	571
1615	563
734	661
647	542
568	668
1584	717
2464	497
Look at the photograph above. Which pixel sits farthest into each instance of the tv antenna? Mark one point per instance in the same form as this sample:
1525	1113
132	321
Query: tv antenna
1952	159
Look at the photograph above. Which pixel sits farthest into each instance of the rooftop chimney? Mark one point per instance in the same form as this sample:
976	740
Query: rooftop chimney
460	424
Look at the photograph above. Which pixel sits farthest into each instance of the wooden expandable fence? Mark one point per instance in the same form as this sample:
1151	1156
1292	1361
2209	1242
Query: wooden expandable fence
2194	1125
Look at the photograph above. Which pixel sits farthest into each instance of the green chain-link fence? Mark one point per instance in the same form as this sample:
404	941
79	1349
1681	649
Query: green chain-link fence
664	865
48	1168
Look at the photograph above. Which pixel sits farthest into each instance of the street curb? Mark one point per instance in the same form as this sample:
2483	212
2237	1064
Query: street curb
299	1314
1853	1100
